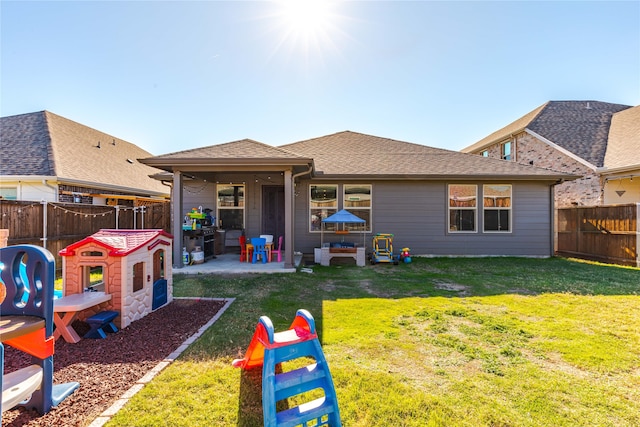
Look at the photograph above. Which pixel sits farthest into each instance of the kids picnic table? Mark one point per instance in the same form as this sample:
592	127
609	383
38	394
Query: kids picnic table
66	309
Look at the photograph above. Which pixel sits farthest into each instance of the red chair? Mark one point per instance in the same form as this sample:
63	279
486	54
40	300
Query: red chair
279	250
243	248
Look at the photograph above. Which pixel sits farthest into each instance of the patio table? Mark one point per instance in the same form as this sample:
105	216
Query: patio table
268	247
66	309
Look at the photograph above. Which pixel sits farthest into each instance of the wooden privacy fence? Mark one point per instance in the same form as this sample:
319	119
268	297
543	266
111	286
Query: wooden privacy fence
601	233
55	226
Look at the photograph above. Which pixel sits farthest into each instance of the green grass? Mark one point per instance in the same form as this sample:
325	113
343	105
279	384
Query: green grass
438	342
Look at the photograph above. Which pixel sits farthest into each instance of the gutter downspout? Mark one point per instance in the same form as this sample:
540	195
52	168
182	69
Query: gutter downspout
289	261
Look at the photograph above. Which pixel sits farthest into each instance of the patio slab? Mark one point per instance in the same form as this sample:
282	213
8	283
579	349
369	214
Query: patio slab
230	263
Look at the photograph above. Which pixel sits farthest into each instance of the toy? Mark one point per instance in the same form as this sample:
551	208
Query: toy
383	249
268	349
405	256
27	273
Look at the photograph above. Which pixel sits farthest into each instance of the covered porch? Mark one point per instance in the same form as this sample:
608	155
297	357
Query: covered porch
248	188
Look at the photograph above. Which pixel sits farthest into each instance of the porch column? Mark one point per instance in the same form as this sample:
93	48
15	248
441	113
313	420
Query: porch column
176	201
288	220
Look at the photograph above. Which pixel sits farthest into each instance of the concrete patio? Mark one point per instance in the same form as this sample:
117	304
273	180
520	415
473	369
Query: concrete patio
230	263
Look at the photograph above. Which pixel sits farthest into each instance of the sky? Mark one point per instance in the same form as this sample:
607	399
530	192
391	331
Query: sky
174	75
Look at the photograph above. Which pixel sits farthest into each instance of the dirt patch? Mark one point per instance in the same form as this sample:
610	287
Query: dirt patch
453	287
106	368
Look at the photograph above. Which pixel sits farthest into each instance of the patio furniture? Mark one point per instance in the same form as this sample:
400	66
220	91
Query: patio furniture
66	309
259	250
244	254
279	250
99	322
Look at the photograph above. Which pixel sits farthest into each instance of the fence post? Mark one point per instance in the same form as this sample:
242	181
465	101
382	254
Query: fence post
117	216
44	223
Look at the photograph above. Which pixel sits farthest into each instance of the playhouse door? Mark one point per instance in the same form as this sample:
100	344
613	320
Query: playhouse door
159	294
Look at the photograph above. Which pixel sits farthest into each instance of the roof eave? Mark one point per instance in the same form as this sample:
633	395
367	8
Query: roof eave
443	177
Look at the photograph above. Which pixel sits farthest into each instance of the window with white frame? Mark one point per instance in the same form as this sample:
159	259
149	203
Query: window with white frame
357	200
323	202
497	207
231	206
9	193
506	151
462	208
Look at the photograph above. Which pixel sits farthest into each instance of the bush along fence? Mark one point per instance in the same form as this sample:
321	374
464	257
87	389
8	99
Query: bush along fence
55	226
601	233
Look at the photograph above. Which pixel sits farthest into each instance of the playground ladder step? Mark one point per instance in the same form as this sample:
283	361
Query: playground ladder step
317	413
299	381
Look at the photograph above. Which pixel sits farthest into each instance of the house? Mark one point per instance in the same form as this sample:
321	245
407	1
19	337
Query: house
434	201
47	157
597	140
133	266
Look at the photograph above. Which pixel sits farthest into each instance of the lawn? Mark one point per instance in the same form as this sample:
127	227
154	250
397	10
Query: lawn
438	342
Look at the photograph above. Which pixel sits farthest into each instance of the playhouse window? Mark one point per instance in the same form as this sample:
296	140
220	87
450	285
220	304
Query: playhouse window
138	276
93	277
158	265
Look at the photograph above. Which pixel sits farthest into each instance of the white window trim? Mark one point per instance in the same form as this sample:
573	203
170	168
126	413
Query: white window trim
510	209
243	207
336	207
450	208
354	209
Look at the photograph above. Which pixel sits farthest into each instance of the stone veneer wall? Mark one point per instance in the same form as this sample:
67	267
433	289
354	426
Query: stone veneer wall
585	191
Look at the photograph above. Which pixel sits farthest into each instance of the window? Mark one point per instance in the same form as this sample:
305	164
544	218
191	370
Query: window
497	207
231	206
462	207
9	193
138	276
506	151
485	153
323	202
357	200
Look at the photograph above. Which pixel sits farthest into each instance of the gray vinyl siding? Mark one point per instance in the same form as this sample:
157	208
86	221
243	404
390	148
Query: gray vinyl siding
416	213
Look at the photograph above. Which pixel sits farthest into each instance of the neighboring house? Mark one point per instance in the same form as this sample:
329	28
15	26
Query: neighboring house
434	201
597	140
47	157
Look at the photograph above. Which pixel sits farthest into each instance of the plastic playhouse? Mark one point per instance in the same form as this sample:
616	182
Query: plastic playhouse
27	275
267	349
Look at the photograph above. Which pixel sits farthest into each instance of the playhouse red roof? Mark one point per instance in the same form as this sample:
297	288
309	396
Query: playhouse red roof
118	242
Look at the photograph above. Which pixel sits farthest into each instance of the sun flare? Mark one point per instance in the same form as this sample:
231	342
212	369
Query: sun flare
306	18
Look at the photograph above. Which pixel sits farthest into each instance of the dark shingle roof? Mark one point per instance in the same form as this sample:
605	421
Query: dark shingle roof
351	154
45	144
25	147
580	127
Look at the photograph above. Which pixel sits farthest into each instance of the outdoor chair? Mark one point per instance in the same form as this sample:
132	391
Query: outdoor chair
259	249
243	249
279	250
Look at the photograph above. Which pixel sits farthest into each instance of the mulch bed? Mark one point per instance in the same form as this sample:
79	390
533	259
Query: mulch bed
106	368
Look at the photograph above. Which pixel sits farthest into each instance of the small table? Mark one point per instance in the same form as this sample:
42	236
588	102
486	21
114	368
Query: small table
267	246
66	309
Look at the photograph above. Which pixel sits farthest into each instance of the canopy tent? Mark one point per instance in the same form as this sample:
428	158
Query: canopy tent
342	217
